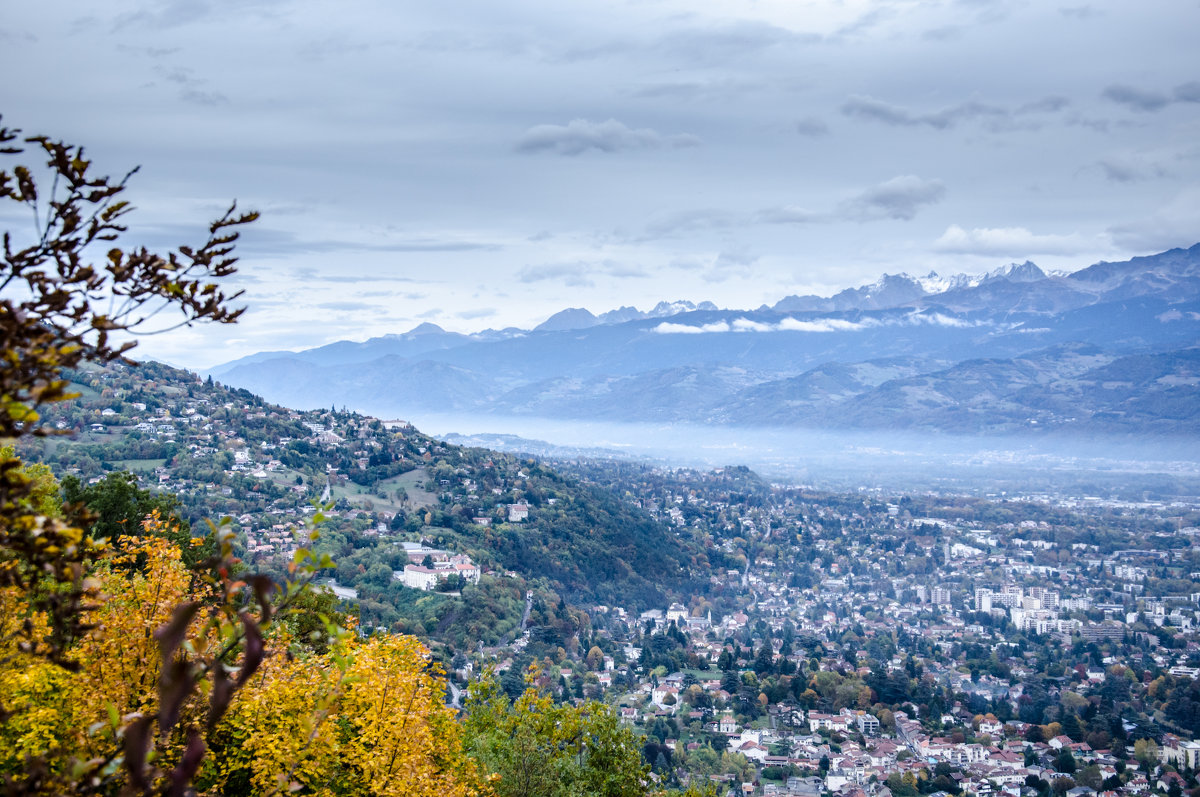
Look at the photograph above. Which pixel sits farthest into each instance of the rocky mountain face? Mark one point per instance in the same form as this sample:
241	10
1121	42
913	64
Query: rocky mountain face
1112	347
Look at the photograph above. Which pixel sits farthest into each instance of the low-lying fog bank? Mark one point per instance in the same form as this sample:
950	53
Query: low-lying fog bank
1160	469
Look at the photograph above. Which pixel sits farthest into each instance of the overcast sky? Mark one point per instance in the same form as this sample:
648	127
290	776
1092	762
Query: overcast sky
485	164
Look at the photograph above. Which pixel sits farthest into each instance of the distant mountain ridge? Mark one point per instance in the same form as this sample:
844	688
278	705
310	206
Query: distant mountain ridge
579	318
899	352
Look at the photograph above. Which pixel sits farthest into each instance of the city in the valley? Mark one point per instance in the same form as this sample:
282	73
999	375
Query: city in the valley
767	638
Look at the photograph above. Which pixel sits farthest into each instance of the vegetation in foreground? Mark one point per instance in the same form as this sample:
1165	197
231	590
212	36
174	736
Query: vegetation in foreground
123	670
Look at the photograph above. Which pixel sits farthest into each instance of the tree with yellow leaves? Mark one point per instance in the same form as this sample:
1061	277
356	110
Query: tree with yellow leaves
365	718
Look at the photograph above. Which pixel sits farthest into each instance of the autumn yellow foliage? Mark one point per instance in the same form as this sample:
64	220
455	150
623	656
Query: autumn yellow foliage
65	714
368	717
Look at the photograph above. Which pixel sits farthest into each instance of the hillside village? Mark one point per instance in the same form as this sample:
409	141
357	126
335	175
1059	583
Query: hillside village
767	638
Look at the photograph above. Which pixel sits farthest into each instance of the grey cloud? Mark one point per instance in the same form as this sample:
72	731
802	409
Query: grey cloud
879	111
1187	92
178	75
1135	98
1130	169
191	88
899	198
581	135
1080	12
719	43
198	97
1052	104
1148	101
168	15
1119	172
149	52
697	90
871	109
812	126
1092	123
280	243
11	37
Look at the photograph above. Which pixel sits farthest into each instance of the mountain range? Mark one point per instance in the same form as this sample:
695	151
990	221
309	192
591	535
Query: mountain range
1108	348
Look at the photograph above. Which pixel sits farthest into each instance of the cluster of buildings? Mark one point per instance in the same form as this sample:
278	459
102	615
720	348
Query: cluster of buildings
427	568
935	584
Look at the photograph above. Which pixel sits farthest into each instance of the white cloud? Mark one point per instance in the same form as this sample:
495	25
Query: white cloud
822	325
666	328
940	320
1009	242
746	325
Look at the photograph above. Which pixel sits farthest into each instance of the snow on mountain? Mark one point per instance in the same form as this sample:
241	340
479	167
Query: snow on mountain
1015	272
668	309
933	283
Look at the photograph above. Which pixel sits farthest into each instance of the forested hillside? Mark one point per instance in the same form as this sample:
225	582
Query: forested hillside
221	452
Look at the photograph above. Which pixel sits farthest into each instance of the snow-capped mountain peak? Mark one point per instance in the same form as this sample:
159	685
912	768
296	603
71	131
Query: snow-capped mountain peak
1016	272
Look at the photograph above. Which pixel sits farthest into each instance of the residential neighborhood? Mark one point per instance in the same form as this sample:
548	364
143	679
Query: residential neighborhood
765	639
